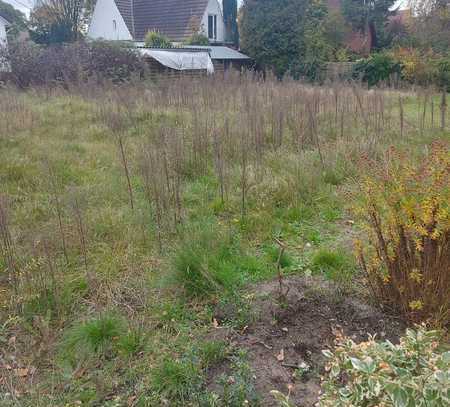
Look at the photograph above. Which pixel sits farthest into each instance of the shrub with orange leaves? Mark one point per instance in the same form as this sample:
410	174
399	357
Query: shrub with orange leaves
405	211
416	65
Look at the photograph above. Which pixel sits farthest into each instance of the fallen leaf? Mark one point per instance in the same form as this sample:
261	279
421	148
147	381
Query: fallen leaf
215	323
21	372
231	380
280	356
285	329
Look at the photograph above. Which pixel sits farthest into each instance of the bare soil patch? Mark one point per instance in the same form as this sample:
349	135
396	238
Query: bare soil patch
293	334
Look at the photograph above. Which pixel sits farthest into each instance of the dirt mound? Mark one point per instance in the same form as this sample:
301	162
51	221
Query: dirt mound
285	342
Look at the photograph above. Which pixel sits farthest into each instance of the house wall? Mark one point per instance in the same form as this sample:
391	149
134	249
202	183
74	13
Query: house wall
4	65
102	26
2	31
213	7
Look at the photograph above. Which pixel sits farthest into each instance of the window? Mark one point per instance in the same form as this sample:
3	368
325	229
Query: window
212	27
114	25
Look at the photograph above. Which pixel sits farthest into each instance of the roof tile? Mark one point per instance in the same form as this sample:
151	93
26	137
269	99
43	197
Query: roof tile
170	17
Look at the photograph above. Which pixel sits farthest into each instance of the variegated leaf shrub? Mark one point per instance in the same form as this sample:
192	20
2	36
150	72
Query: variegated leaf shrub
414	373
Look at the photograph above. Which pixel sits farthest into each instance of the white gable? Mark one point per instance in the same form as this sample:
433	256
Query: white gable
107	23
3	24
214	9
4	65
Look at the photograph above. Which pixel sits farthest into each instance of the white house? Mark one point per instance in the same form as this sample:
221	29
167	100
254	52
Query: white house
3	25
130	20
4	63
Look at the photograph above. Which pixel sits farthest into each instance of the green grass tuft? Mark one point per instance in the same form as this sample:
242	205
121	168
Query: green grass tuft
212	353
131	343
337	265
176	379
209	261
273	253
93	337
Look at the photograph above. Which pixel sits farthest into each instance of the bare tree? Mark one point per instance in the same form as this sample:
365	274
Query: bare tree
54	21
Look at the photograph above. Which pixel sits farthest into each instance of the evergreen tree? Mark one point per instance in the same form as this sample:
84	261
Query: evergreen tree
369	16
285	36
230	17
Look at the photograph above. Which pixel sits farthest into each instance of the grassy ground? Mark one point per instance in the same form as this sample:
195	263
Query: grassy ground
130	215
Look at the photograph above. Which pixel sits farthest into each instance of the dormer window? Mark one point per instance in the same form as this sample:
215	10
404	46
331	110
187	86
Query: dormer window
114	25
212	26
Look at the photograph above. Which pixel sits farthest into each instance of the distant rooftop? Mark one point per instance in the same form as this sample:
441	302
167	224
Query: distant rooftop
220	52
4	18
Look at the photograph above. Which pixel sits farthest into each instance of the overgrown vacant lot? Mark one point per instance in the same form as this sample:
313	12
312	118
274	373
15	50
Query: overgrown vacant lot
189	243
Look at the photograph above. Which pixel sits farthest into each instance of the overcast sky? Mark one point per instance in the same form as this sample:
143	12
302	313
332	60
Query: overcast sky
25	5
22	5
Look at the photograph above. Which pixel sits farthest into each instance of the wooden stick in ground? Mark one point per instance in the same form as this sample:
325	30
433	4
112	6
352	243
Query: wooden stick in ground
282	295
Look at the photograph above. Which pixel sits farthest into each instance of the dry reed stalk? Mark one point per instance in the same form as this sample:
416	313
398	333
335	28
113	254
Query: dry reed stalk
115	115
432	114
81	235
126	169
244	172
57	204
219	162
443	108
7	247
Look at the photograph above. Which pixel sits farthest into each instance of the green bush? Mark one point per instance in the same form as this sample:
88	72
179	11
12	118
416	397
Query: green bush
197	39
156	39
442	76
376	68
414	373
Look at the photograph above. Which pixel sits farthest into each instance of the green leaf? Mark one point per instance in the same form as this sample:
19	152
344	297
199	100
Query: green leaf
367	366
335	370
398	395
358	364
446	357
